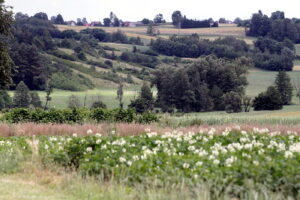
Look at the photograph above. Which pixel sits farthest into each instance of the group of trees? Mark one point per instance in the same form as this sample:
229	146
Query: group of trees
277	26
273	55
23	98
276	96
201	86
193	47
112	20
181	21
267	54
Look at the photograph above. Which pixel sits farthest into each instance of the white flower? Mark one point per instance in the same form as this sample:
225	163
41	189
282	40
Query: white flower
89	149
185	165
216	162
98	141
98	134
199	163
89	132
46	147
191	148
256	163
122	159
135	157
74	134
288	154
129	163
295	148
229	161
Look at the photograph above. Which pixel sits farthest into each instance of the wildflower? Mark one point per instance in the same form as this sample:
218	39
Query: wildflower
129	163
74	134
89	132
295	148
288	154
216	162
122	159
98	134
191	148
89	149
185	165
98	141
199	163
256	163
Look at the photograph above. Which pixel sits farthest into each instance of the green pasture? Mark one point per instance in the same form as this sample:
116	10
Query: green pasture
107	95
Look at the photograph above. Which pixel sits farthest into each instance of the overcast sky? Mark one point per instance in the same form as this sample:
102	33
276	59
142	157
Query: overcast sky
134	10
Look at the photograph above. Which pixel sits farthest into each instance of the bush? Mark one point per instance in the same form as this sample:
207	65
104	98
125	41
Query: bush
269	100
20	115
98	104
99	64
71	82
233	102
63	55
147	118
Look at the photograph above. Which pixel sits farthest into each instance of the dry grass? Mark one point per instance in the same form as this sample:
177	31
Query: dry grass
122	129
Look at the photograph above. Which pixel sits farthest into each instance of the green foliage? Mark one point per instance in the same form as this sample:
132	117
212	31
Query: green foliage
5	100
81	56
5	61
232	158
193	47
233	102
269	100
98	104
59	19
278	27
145	101
29	66
284	86
177	18
21	97
120	95
199	86
74	82
148	61
35	100
75	115
63	55
74	102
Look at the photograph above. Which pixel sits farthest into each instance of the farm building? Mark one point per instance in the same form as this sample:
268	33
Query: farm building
71	23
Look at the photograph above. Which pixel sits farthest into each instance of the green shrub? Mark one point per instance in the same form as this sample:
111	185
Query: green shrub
75	115
63	55
147	118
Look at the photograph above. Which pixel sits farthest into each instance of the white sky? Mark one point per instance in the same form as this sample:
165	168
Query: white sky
134	10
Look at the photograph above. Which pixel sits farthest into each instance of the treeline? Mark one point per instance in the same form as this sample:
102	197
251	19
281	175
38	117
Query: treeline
181	21
193	47
277	26
201	86
267	54
190	23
